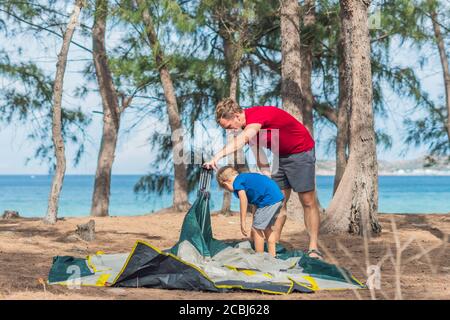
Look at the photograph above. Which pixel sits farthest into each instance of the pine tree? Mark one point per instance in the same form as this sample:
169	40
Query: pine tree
113	107
58	141
433	129
354	206
29	101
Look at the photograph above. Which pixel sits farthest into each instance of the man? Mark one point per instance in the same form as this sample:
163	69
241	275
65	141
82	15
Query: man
295	146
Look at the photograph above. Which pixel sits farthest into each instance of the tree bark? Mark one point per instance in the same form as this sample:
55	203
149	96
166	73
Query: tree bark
296	71
180	193
291	81
233	56
58	141
111	114
341	146
354	206
86	231
342	120
306	57
444	62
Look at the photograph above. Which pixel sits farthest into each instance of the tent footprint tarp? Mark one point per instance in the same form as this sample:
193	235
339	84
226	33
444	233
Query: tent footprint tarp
200	262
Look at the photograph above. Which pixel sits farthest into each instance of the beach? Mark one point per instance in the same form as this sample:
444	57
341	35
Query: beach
27	247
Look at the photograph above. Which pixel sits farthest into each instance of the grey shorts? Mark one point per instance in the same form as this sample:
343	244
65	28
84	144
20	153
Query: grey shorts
265	217
296	171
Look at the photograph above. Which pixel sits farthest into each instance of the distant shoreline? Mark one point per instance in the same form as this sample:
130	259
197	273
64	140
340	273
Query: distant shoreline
318	173
399	174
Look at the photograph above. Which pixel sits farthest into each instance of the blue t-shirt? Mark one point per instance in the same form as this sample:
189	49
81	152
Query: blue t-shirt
261	191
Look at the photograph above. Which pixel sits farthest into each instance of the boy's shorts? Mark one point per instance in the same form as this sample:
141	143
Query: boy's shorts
265	217
296	171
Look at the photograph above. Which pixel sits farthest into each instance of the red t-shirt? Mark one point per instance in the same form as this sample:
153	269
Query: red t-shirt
293	137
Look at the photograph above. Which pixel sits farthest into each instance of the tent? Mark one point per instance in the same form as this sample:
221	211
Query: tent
200	262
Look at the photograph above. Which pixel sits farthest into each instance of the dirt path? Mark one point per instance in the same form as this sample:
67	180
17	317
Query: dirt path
27	247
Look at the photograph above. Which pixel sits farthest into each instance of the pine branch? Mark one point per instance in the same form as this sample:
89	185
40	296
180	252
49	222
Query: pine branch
326	110
43	28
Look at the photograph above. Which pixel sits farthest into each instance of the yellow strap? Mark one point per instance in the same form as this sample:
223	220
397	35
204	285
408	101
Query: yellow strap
102	280
314	285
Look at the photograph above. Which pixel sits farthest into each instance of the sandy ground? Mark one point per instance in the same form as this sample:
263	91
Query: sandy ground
27	247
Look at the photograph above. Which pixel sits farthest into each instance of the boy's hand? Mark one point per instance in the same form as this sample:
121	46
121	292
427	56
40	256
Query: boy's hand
243	229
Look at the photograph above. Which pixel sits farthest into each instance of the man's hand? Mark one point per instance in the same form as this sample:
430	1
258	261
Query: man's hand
243	229
211	164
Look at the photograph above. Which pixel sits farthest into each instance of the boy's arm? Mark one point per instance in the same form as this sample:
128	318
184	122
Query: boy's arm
261	160
244	137
243	208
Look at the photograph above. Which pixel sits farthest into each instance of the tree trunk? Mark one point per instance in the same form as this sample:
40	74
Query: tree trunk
180	193
291	82
342	120
58	141
306	57
291	78
86	231
111	114
233	57
296	71
341	145
354	206
444	63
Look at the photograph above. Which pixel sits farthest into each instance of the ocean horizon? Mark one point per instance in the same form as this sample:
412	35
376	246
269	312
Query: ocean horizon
28	194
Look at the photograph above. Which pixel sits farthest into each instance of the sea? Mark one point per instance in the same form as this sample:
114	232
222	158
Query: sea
28	194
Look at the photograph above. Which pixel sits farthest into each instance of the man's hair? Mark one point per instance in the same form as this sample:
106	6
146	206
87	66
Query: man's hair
224	174
226	108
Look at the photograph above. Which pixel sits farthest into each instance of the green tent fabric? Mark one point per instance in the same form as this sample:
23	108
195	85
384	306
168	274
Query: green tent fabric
197	229
64	267
198	261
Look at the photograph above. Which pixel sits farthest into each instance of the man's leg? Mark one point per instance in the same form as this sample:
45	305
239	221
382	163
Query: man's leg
283	213
312	218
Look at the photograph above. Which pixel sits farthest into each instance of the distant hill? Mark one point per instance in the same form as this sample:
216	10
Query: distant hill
420	166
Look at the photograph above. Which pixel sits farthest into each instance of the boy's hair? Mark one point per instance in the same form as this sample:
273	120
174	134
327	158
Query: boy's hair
224	174
226	108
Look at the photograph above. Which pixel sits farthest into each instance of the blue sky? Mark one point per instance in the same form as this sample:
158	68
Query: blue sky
133	153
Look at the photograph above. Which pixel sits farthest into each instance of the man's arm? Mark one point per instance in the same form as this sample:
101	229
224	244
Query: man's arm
243	201
244	137
261	160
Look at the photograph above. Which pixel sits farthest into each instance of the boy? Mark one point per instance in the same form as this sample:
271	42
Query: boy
264	193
